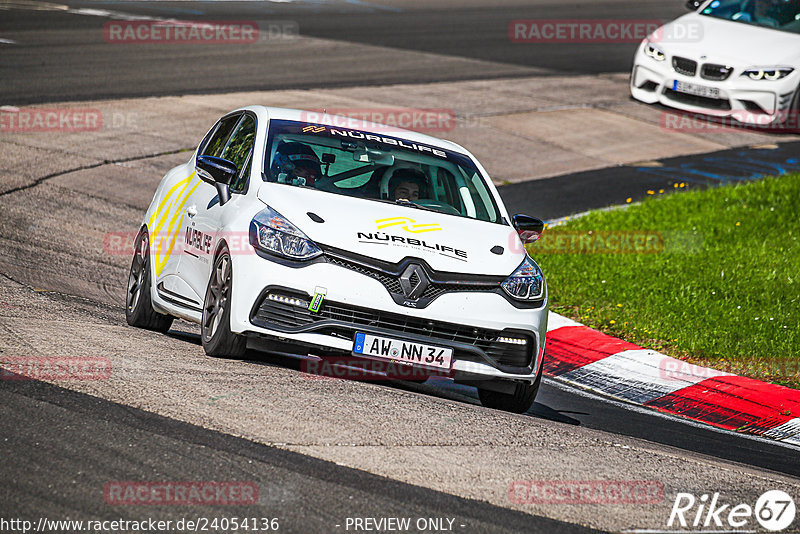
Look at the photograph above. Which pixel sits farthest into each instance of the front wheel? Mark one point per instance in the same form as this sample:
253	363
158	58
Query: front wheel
520	401
215	328
139	310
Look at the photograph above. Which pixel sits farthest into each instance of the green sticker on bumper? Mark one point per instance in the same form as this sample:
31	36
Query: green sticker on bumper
316	302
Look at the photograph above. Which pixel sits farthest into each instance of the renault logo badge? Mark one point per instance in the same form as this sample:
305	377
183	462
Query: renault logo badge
414	281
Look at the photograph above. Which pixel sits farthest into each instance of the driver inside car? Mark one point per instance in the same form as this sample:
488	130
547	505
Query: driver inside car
408	184
296	164
759	12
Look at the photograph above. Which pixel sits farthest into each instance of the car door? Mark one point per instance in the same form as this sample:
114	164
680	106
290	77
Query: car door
169	221
204	212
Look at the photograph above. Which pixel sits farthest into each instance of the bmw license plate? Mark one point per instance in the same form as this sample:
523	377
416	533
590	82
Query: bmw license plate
694	89
402	351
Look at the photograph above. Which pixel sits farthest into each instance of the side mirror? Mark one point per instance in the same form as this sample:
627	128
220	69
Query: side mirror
694	5
218	172
529	228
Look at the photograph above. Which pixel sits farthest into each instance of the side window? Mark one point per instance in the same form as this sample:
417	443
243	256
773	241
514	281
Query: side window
241	142
239	184
239	149
220	136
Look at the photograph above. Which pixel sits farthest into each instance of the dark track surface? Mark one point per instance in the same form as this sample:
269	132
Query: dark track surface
63	56
560	196
74	444
65	435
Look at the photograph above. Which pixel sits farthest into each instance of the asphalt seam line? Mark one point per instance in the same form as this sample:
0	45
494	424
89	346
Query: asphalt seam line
43	179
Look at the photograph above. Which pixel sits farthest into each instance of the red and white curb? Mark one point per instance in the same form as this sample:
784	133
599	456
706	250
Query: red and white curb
589	359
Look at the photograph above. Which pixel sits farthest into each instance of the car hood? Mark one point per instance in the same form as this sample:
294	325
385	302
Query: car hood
391	232
731	43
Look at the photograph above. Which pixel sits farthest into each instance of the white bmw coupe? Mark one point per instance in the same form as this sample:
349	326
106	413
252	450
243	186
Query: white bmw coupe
378	244
730	58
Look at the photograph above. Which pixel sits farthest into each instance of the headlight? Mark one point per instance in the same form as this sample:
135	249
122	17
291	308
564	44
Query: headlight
526	283
653	52
768	73
271	232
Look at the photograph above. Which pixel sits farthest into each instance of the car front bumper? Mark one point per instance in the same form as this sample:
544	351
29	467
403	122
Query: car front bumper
468	322
752	102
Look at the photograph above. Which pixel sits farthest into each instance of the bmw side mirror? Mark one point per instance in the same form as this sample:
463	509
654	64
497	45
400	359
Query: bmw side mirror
218	172
529	228
694	5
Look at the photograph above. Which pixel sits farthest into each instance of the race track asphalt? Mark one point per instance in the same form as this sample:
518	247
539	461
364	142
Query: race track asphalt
172	414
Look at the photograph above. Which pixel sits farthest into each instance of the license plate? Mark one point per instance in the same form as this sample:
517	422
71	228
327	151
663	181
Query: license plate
694	89
407	352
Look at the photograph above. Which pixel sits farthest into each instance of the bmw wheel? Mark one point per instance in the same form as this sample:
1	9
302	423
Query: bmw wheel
139	310
217	338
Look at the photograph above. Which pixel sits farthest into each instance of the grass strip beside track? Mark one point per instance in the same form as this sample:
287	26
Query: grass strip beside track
709	276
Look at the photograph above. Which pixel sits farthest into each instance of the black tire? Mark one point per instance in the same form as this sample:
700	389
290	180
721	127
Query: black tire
139	310
518	402
215	328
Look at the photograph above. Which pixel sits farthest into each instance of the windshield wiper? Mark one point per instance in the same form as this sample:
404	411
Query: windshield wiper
410	204
404	202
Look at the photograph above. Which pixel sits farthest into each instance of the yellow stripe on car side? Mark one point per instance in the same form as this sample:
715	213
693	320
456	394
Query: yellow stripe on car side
172	204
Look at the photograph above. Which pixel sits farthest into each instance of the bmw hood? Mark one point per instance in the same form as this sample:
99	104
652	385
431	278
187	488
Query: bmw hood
392	232
729	42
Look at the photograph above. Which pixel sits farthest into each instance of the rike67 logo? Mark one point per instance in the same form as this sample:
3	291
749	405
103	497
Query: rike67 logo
774	511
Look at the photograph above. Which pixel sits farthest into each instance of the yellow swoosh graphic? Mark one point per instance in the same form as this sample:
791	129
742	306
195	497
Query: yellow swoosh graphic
404	223
172	204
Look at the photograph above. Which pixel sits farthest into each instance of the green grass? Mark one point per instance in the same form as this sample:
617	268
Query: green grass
723	292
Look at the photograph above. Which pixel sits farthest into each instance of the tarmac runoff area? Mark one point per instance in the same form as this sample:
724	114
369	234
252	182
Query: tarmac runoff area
61	294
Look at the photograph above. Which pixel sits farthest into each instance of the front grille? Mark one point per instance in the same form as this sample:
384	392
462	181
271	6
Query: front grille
712	71
392	282
682	65
699	101
284	316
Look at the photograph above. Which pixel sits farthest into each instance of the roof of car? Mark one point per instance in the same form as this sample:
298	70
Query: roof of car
394	131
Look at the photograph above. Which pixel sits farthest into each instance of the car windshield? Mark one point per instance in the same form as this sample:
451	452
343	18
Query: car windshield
783	15
377	167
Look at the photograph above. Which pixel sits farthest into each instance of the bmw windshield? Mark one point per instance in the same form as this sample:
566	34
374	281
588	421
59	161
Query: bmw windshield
782	15
377	167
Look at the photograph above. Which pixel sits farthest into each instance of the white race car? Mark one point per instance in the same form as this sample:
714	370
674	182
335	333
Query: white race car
378	244
730	58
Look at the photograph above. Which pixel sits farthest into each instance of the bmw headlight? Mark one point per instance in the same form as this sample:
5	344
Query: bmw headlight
526	283
769	73
271	232
652	51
